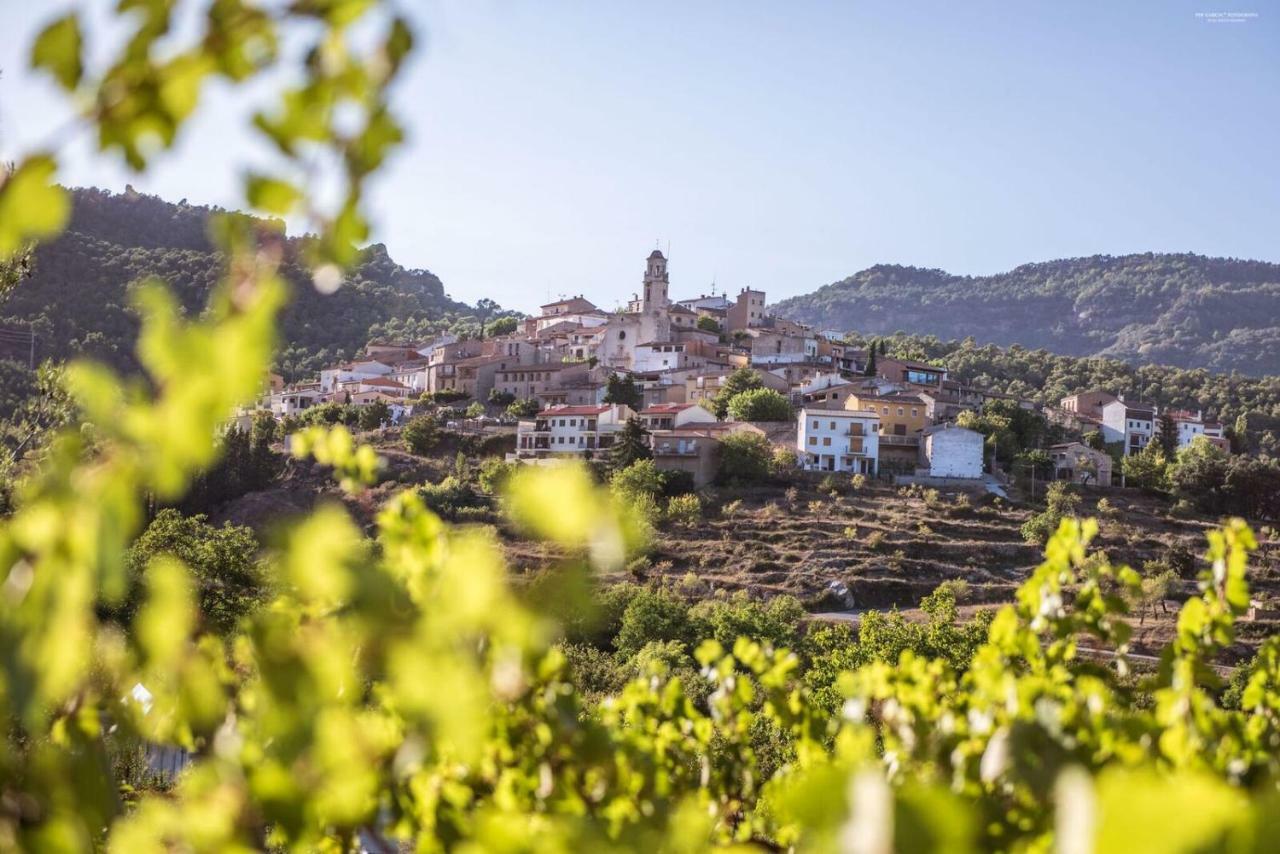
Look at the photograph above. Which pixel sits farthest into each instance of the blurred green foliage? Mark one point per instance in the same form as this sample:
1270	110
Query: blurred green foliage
395	690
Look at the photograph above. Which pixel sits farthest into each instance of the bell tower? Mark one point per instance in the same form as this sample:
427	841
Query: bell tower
654	295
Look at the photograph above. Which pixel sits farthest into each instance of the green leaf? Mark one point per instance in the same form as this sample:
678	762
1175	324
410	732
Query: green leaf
271	194
57	50
31	205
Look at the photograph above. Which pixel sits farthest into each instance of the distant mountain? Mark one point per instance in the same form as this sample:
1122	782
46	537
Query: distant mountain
1183	310
77	296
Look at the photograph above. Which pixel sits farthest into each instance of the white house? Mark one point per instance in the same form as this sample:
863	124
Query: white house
570	431
657	356
950	451
367	369
1133	424
291	401
838	440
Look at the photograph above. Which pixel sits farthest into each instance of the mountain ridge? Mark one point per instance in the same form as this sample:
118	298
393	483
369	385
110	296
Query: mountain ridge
1183	309
77	297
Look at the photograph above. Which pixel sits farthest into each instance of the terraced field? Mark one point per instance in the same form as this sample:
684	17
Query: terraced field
890	547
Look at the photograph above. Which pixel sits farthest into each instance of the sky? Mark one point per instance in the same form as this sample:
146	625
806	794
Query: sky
776	145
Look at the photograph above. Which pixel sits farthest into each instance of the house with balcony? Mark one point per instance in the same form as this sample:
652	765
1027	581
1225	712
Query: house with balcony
843	440
570	431
911	372
694	447
902	418
1134	424
668	416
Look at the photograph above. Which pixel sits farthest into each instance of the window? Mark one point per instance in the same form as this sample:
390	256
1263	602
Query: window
826	440
899	411
885	408
813	440
833	425
914	412
815	425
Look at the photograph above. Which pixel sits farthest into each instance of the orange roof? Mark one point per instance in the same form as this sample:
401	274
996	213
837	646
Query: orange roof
666	408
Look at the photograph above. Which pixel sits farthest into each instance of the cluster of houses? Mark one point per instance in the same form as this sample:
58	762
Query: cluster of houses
889	416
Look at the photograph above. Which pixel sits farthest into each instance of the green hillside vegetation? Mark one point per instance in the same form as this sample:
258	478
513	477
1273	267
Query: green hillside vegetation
1184	310
77	297
1248	405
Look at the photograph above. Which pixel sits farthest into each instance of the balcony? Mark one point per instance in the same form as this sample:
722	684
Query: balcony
893	439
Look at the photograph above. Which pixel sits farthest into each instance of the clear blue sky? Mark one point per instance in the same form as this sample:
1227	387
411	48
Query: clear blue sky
784	145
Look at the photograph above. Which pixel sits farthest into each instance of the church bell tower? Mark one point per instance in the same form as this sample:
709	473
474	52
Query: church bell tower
654	295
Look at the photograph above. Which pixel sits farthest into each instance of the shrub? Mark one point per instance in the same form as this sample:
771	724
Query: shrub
676	482
421	435
684	510
641	479
731	509
760	404
446	396
373	415
858	482
653	615
875	540
1060	503
744	459
449	496
494	474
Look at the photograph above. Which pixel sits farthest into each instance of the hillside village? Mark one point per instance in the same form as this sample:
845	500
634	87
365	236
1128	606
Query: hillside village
567	381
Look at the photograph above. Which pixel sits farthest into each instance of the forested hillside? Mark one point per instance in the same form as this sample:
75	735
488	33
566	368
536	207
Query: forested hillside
1184	310
77	296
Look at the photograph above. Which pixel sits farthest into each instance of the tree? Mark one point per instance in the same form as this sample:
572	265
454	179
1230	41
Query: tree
760	404
623	390
1167	435
498	397
374	414
1147	468
745	459
222	563
870	369
501	326
524	408
743	379
475	410
1094	439
1061	502
630	444
708	324
640	479
421	435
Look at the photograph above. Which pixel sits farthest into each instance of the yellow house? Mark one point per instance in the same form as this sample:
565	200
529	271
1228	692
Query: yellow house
902	417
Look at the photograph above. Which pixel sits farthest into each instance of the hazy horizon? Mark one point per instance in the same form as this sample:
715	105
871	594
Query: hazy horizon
780	148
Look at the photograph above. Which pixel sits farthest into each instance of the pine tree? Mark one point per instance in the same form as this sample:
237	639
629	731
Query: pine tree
631	444
1168	435
870	370
623	390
